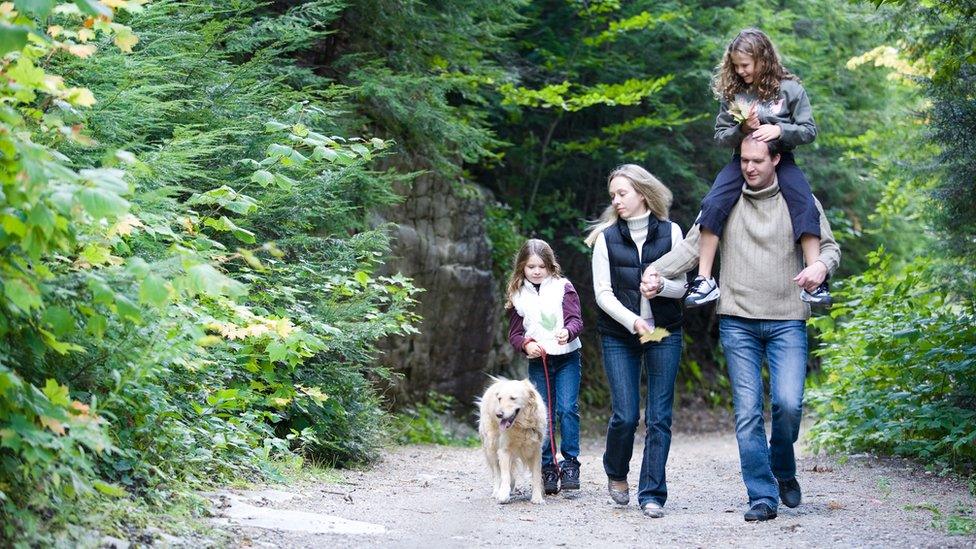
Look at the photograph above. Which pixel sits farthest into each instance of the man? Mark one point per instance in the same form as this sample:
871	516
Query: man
761	315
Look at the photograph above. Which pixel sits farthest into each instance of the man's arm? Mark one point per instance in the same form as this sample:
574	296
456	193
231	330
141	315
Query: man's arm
682	258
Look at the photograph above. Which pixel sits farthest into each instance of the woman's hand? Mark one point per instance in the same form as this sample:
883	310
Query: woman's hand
533	349
562	336
767	132
651	283
641	326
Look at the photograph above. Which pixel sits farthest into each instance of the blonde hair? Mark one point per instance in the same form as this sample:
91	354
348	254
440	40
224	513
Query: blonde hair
656	195
769	69
532	247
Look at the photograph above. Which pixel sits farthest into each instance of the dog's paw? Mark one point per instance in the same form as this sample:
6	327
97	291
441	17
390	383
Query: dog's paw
503	497
538	500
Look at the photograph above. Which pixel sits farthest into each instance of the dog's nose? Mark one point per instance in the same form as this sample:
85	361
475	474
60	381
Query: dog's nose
499	415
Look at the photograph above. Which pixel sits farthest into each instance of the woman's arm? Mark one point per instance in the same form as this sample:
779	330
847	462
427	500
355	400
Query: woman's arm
604	289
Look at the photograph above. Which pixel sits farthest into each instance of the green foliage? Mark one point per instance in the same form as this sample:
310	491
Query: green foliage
900	367
427	423
189	287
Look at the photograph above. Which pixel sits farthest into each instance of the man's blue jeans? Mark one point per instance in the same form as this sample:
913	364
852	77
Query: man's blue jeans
784	345
622	360
564	377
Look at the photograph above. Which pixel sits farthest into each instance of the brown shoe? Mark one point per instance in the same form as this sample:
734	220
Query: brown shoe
620	497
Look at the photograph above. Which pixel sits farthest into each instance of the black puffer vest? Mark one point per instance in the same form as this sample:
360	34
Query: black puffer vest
626	270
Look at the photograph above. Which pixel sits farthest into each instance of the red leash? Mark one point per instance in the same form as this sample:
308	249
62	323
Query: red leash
552	437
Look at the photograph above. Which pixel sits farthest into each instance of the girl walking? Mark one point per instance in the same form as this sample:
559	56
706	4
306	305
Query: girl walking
545	323
758	96
633	232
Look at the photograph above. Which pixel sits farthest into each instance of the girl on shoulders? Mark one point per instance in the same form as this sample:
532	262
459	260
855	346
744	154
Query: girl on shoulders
758	96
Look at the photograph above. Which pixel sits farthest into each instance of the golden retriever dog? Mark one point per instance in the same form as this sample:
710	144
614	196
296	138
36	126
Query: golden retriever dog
512	425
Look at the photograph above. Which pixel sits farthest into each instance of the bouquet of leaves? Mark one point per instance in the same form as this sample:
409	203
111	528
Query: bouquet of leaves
655	335
739	109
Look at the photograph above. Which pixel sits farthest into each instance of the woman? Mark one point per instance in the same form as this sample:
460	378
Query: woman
633	232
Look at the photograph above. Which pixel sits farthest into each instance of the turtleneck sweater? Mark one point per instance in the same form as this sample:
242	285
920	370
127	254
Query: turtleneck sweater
673	288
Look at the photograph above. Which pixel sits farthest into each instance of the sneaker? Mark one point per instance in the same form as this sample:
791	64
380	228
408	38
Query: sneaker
550	479
820	296
789	492
620	497
759	513
569	478
652	509
701	291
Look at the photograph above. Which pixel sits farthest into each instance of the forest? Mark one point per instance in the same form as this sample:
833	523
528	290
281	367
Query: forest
238	238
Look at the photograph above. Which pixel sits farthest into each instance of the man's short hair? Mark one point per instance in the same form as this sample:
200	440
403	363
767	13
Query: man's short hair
774	147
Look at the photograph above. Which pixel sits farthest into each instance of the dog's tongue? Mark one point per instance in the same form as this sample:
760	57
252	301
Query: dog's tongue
506	423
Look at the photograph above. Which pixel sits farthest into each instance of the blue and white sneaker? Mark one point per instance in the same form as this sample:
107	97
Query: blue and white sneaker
818	297
701	291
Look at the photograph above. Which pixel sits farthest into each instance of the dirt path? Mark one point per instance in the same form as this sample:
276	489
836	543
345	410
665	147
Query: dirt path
430	496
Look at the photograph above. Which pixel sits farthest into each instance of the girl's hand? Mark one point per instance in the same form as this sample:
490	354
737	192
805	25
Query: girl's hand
562	336
533	350
767	132
751	122
642	326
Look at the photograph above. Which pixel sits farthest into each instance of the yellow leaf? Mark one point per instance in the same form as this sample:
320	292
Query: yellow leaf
55	30
125	225
278	401
53	83
85	35
54	425
657	334
81	97
6	8
125	40
115	4
83	51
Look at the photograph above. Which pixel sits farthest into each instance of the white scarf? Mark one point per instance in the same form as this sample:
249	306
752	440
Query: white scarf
542	314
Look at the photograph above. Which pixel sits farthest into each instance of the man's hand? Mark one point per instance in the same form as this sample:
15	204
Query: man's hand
533	349
812	276
562	336
651	283
767	132
641	326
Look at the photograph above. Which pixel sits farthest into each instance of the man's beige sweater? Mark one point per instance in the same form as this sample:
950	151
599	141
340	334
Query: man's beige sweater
759	258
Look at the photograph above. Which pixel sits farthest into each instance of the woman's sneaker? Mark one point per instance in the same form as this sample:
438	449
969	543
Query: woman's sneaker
820	296
569	478
701	291
550	479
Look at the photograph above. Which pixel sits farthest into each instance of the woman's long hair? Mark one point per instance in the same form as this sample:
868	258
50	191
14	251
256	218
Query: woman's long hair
532	247
769	69
657	198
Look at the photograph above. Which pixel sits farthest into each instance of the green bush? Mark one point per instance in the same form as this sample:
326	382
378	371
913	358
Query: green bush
899	367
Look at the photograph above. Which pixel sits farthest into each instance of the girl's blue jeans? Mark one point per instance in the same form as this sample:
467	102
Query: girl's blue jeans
623	360
564	378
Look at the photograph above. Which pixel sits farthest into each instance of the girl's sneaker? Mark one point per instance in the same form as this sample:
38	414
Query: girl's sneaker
701	291
569	478
820	296
550	479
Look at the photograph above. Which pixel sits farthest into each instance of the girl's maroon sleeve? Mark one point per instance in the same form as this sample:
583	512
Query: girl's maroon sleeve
572	317
516	330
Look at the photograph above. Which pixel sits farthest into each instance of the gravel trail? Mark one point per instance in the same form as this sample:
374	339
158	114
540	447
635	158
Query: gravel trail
435	496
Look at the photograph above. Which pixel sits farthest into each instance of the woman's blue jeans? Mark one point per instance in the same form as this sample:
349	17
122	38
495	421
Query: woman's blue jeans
623	360
564	377
783	343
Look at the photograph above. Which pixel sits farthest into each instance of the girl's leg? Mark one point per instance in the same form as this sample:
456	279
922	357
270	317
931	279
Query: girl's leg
566	389
715	210
804	214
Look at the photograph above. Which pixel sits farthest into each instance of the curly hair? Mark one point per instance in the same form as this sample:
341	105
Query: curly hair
532	247
769	69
